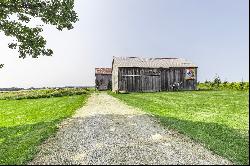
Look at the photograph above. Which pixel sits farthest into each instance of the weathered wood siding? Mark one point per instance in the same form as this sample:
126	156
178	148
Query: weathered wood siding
153	80
102	81
172	75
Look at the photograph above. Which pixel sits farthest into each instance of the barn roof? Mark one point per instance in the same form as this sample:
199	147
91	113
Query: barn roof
103	70
151	62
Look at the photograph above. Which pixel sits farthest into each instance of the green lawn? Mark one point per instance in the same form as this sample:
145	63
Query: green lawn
217	119
24	124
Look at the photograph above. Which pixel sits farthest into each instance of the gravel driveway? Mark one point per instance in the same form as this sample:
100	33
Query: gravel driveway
106	131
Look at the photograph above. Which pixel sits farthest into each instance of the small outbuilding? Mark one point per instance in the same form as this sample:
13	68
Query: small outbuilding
134	74
103	78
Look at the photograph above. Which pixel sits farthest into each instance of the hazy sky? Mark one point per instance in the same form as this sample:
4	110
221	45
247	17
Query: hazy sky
214	34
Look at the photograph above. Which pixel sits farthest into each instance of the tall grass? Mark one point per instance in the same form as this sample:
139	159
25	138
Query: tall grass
43	93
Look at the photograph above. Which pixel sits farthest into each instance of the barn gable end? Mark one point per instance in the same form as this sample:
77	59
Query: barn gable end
103	78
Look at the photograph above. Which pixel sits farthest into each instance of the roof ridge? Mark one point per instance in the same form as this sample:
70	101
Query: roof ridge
152	62
126	57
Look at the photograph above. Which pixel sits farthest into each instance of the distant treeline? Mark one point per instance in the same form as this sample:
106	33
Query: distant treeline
219	85
11	89
32	88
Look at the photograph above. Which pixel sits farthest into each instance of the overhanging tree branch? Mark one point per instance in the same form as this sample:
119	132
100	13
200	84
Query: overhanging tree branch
28	41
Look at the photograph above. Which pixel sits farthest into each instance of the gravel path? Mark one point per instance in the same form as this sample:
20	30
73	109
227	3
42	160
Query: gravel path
106	131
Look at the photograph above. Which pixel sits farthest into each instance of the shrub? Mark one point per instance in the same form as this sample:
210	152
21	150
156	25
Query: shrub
241	86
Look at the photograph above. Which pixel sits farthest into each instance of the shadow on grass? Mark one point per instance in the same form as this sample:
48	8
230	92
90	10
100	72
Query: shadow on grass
221	139
111	139
18	144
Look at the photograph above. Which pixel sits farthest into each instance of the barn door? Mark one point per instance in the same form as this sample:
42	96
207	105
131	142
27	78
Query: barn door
151	83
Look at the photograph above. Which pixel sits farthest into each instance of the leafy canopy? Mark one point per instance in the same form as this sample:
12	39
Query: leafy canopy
15	16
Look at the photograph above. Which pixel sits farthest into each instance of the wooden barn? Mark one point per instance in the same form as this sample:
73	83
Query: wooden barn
133	74
103	78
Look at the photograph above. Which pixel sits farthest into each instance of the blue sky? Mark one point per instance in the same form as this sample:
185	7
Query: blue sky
214	34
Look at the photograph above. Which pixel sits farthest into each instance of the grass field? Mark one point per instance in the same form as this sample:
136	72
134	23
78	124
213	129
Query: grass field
24	124
217	119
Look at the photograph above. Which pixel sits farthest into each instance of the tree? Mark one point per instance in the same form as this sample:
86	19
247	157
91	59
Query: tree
217	81
16	14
